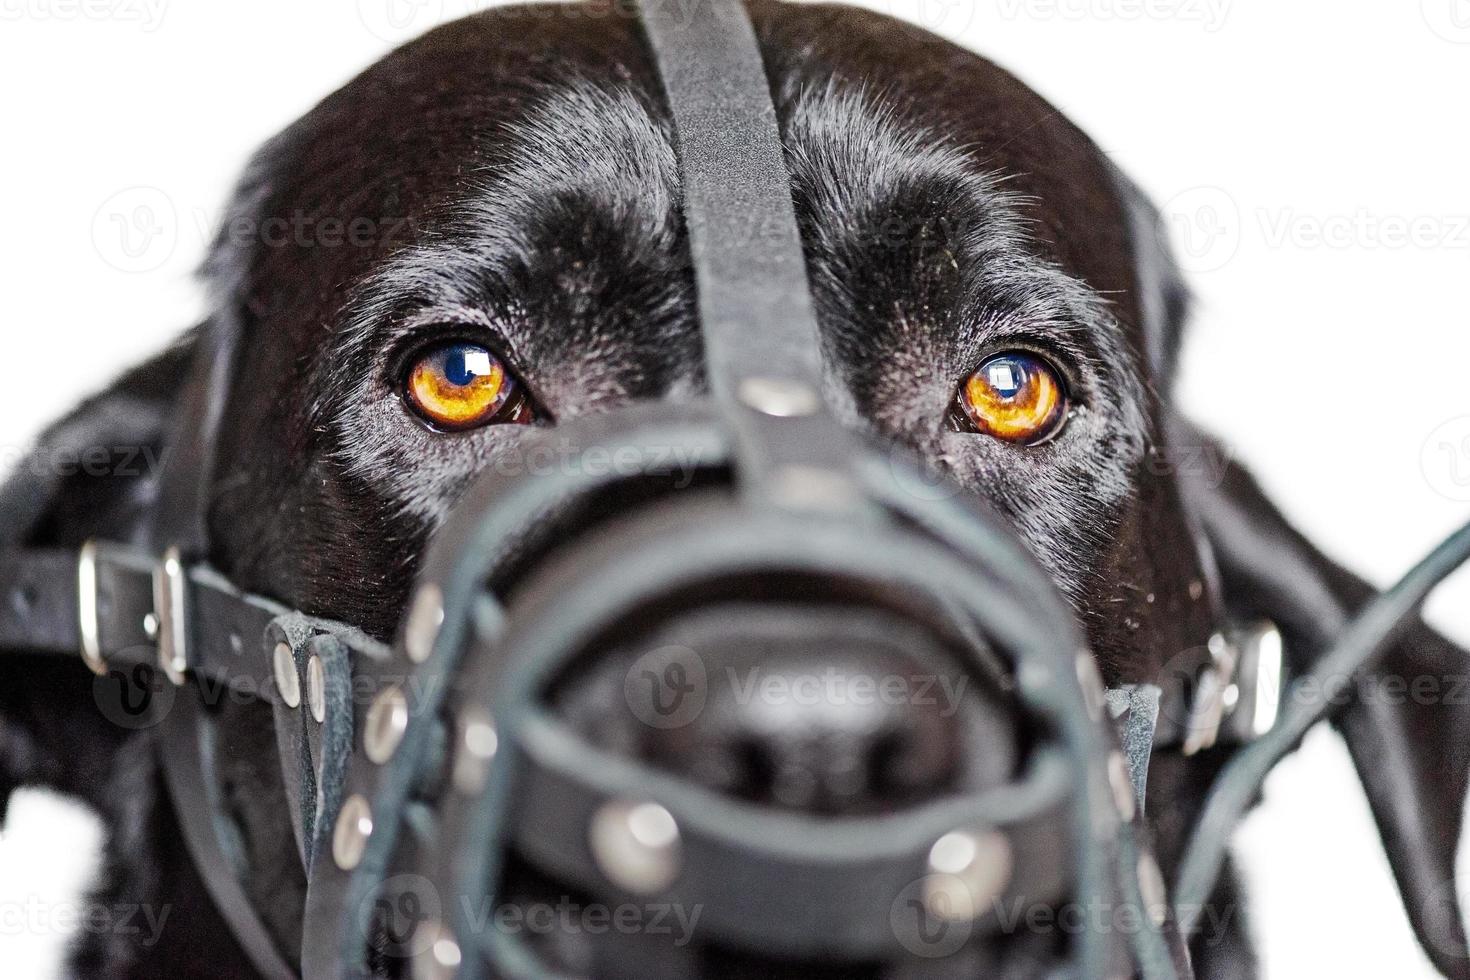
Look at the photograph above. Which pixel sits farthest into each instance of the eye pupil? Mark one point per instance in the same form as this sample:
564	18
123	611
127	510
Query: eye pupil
463	365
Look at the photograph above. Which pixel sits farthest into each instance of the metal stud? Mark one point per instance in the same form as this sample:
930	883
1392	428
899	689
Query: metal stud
1151	886
350	835
424	620
812	488
1121	784
478	743
387	720
967	871
316	688
439	957
636	845
287	682
150	626
779	397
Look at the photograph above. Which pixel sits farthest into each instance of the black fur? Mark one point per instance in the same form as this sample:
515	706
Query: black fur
511	179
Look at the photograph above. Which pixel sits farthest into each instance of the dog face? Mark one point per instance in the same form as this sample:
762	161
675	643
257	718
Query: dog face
514	183
508	184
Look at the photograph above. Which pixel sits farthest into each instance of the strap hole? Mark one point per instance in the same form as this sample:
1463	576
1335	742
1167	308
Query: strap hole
23	599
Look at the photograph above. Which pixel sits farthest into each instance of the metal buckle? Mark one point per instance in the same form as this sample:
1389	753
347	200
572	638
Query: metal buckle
88	621
168	606
1211	697
1240	689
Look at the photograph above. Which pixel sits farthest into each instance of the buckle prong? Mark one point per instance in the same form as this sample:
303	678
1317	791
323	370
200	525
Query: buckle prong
88	621
168	606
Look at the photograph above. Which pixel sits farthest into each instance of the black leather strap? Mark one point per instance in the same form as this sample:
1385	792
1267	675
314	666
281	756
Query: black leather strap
45	603
762	345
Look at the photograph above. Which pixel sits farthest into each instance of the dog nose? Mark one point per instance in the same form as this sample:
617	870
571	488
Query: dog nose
827	711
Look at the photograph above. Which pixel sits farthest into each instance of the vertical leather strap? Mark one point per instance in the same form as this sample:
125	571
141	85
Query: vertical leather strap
180	526
762	348
181	517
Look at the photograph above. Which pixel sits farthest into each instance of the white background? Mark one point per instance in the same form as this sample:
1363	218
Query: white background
1296	147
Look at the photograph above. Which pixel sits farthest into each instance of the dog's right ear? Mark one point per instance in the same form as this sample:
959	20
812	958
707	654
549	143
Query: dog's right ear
93	474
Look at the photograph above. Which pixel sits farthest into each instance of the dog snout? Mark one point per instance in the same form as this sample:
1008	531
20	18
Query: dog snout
830	711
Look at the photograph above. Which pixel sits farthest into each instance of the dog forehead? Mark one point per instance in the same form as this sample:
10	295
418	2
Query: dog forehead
561	103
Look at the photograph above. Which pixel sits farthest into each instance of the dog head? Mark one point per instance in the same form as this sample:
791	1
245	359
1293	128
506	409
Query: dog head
507	186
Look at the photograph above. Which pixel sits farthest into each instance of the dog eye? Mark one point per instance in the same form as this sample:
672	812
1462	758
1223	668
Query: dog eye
460	386
1015	396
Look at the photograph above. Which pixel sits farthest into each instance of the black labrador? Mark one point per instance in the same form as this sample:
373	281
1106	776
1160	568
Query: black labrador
499	202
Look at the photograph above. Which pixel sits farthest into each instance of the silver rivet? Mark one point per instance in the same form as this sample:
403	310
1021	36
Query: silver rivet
350	835
636	845
780	397
1092	686
812	488
286	680
1122	785
478	743
1230	697
424	620
387	720
150	626
440	956
967	871
316	688
1151	886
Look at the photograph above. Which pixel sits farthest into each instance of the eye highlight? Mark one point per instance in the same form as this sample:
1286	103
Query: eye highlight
458	386
1015	396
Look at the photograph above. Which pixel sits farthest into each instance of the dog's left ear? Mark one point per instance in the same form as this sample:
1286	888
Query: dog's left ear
1407	724
1163	296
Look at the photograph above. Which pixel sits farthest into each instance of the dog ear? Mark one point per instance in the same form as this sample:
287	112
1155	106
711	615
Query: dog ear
1407	725
1163	296
92	474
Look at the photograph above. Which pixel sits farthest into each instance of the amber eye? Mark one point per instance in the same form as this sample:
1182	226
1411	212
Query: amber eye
461	386
1016	396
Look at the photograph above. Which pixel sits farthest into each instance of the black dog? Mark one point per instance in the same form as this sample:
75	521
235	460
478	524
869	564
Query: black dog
508	183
